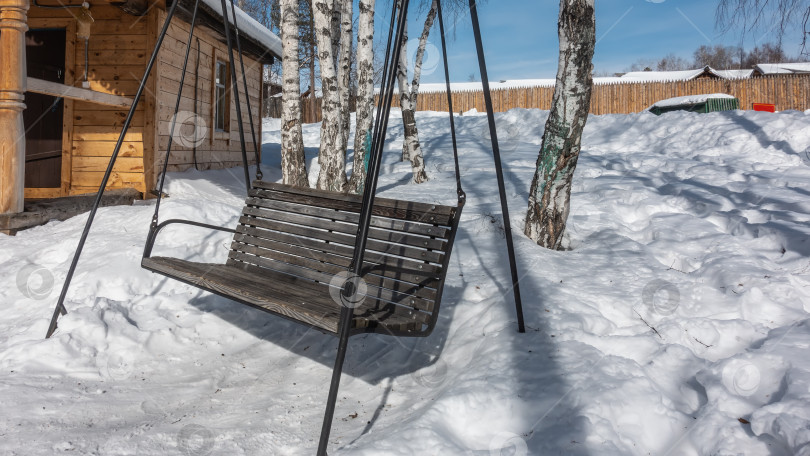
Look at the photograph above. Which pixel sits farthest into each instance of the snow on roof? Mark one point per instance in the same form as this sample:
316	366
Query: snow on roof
504	84
494	85
783	68
249	26
733	74
689	99
663	76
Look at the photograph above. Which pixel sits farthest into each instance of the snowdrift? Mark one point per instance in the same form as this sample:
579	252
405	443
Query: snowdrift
675	323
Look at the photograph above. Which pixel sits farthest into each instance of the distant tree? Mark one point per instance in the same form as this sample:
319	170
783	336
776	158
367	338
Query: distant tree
471	77
767	53
550	193
718	56
644	64
672	63
773	15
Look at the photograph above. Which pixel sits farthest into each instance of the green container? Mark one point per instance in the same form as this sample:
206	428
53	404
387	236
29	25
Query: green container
710	105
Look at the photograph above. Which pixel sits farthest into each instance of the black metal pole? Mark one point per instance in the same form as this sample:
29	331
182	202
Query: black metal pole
235	90
153	226
259	174
482	65
346	313
449	98
60	306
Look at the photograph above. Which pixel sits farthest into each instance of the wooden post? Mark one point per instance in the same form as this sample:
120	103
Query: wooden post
13	15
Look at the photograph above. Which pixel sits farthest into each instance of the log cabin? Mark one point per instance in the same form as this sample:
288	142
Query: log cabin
68	96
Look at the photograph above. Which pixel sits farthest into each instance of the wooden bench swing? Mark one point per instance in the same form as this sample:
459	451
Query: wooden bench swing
343	264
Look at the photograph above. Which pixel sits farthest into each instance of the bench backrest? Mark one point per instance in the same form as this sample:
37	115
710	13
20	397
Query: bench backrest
310	234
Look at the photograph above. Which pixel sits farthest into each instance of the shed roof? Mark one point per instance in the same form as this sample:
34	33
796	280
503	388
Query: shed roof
782	68
665	76
255	38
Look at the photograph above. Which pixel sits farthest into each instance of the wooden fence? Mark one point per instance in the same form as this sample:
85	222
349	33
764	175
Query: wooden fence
786	92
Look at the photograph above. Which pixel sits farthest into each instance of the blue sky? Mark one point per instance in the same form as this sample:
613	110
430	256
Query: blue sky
520	36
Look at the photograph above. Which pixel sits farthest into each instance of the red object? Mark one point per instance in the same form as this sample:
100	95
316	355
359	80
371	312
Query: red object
765	107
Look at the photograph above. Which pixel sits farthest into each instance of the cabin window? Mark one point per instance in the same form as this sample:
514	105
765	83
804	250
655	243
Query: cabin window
221	101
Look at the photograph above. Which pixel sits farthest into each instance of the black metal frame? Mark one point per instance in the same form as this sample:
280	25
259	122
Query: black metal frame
399	17
496	152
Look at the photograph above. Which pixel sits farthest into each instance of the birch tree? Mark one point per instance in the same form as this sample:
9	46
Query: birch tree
293	162
550	193
346	35
365	95
411	148
332	175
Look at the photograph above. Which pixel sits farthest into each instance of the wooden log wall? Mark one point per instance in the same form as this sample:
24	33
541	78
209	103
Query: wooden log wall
117	58
786	92
217	149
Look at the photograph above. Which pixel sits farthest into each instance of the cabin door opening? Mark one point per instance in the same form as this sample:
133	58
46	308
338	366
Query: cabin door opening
43	115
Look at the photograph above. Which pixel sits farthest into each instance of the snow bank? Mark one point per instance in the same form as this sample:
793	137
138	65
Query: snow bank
676	323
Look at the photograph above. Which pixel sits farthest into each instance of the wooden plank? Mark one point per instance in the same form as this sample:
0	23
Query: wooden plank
308	308
306	302
308	244
154	18
111	72
105	118
121	88
105	149
100	11
400	213
382	202
118	42
378	273
76	93
283	268
117	179
101	133
131	25
67	113
100	57
37	193
333	238
351	217
122	164
327	224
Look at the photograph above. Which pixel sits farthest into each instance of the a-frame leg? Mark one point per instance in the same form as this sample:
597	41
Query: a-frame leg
507	228
343	342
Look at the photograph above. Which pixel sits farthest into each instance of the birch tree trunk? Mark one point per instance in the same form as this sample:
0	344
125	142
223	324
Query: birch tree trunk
293	162
332	176
365	95
345	70
550	193
411	148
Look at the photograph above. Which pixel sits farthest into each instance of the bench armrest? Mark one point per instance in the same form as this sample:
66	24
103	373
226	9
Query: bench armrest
150	240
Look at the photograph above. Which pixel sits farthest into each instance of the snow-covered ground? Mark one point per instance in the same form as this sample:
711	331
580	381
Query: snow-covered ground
675	324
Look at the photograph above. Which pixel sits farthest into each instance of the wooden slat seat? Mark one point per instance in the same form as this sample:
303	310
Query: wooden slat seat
290	244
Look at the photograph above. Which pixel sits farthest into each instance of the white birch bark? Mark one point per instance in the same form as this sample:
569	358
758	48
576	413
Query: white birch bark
404	92
365	95
293	162
332	175
345	69
550	193
411	147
